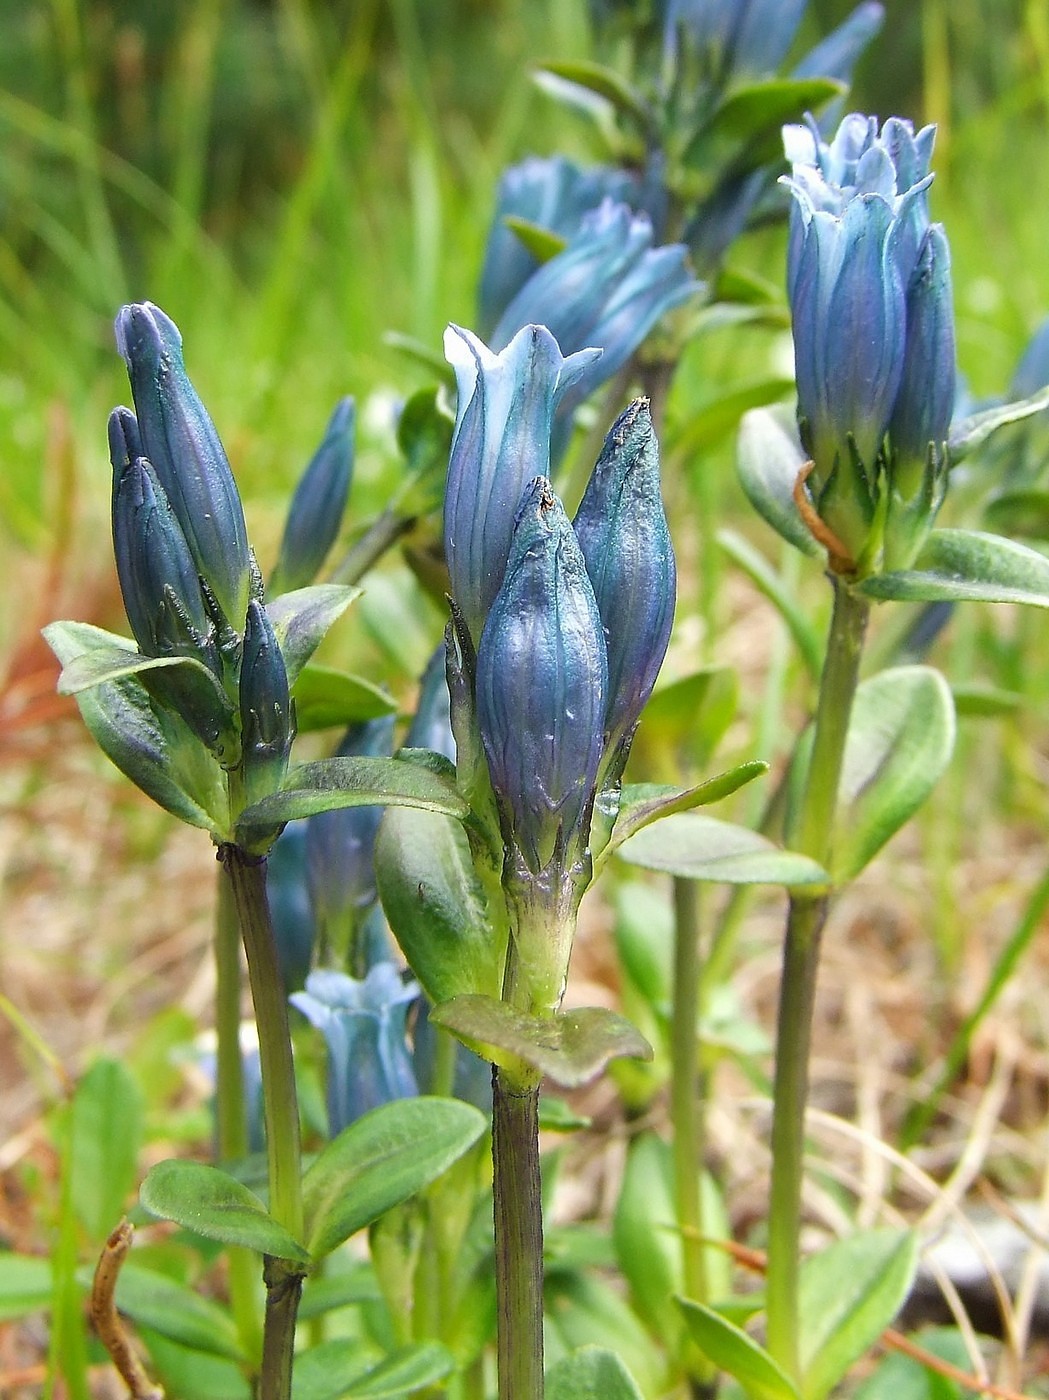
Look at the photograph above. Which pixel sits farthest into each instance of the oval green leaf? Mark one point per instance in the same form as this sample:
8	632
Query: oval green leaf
217	1206
641	804
769	458
433	903
730	1349
571	1047
302	617
605	83
334	1371
901	736
542	243
107	1133
973	432
381	1160
158	753
26	1285
967	566
698	847
752	116
591	1373
325	697
848	1294
352	782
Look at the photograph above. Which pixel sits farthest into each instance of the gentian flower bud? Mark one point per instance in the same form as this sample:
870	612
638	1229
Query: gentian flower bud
504	418
157	575
625	542
180	440
608	288
265	706
542	683
317	507
554	194
364	1027
924	404
733	38
339	852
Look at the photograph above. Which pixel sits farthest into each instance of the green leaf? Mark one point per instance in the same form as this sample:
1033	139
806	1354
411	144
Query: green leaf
603	83
641	804
434	905
558	1116
977	700
104	664
26	1285
901	736
591	1373
194	1373
158	753
302	617
330	783
974	431
769	458
421	354
730	1349
542	243
583	1310
698	847
905	1378
646	1237
334	1371
967	565
107	1133
571	1047
176	1312
381	1160
753	116
424	436
721	416
848	1294
217	1206
321	1295
684	722
782	597
1020	512
325	697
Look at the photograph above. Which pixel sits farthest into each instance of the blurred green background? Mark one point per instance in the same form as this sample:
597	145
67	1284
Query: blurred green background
290	179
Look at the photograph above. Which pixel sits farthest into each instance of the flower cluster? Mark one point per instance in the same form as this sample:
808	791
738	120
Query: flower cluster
869	284
562	628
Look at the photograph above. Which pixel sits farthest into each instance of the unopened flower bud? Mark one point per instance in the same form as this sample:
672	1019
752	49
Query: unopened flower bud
623	535
180	440
542	679
317	507
265	706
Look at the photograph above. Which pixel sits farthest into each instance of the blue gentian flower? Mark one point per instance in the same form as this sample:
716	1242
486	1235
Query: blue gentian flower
504	419
265	706
317	507
869	289
608	288
179	438
555	194
291	913
733	39
625	542
364	1026
542	684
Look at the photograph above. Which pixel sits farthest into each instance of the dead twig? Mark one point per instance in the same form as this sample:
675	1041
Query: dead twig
107	1320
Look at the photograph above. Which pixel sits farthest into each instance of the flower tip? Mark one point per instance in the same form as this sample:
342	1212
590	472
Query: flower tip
141	328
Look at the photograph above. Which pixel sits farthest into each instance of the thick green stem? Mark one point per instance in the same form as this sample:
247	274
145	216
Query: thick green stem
685	1086
801	947
518	1235
230	1105
247	876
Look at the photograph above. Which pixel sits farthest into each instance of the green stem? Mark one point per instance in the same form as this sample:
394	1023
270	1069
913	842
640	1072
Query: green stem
801	947
685	1086
518	1235
247	876
230	1106
382	534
